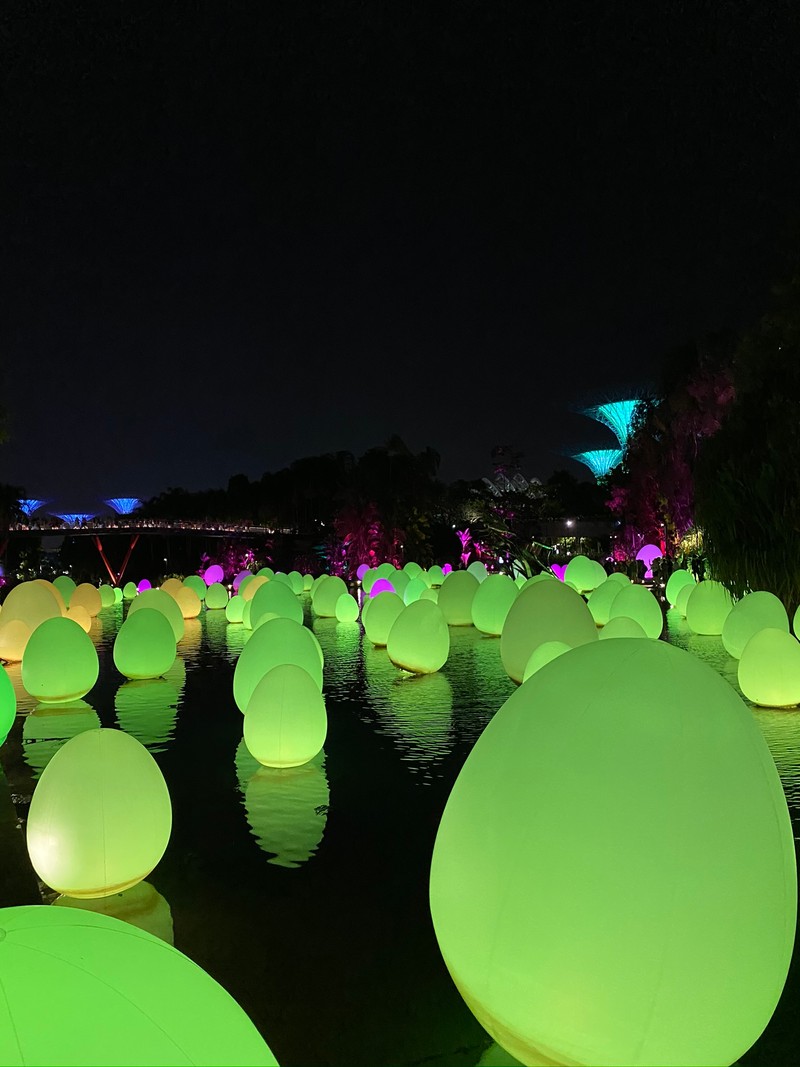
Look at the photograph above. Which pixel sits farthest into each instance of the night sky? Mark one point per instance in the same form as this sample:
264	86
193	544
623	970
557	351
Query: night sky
236	234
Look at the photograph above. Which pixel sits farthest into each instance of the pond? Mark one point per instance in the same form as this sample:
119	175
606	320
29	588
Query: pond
305	892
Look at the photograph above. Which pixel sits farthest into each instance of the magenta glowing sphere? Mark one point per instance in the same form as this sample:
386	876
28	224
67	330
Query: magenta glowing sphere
240	577
647	553
447	568
362	570
381	585
144	585
213	574
559	570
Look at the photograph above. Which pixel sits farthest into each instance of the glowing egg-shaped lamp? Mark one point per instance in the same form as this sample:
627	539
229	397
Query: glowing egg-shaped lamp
265	572
435	575
283	578
547	611
188	602
234	609
542	654
194	581
216	597
328	592
14	636
240	577
144	585
277	598
618	576
430	593
667	935
60	662
31	603
492	603
107	598
129	591
8	705
637	602
386	570
381	585
414	590
246	614
163	602
769	669
399	582
647	554
755	611
621	626
346	608
796	622
296	582
361	570
100	816
117	595
380	618
81	616
368	578
275	642
543	576
153	1004
478	569
676	581
171	586
455	597
145	645
583	574
601	599
682	598
66	586
213	574
250	586
308	581
707	607
285	723
412	569
419	639
87	596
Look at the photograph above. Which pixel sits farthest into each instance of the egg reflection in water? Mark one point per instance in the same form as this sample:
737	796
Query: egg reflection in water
48	728
417	713
148	710
142	906
286	809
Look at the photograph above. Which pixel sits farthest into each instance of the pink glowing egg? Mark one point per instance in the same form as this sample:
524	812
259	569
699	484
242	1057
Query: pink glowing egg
213	574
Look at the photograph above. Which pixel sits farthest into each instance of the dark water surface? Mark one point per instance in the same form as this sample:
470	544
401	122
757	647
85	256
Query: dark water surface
305	892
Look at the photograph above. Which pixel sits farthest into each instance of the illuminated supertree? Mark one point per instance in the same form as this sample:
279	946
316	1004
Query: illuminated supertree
600	460
617	416
74	518
124	505
28	507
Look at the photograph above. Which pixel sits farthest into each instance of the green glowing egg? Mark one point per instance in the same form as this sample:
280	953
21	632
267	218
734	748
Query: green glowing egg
637	602
547	611
543	576
618	576
637	777
676	581
386	570
163	602
283	578
796	622
478	569
145	644
435	575
601	599
412	569
250	586
81	616
189	603
492	603
368	579
117	595
265	572
542	654
769	669
31	603
414	590
107	598
60	662
246	614
272	644
583	573
100	816
66	587
621	626
14	636
308	581
266	616
327	593
285	723
8	704
419	639
142	906
88	597
707	607
234	609
400	581
217	596
277	598
296	582
129	591
347	608
194	581
682	598
755	611
430	594
150	1003
455	597
381	616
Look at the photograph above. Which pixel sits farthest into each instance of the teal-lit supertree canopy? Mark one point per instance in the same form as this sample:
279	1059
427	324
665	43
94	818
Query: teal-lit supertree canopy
617	415
600	460
124	505
27	507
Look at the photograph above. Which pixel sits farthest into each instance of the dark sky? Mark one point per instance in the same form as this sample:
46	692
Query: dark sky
235	234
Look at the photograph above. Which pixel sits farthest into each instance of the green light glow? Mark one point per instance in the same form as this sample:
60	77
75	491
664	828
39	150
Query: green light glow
66	586
584	573
129	591
346	608
435	575
621	626
682	598
601	599
194	581
676	581
234	609
60	662
145	645
107	598
285	724
217	596
142	906
456	596
48	728
545	611
544	653
419	639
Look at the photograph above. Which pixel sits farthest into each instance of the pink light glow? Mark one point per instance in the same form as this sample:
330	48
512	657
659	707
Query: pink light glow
144	584
558	570
383	585
647	553
362	570
446	568
215	573
237	581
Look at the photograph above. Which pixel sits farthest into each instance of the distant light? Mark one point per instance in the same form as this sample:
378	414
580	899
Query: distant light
124	505
29	506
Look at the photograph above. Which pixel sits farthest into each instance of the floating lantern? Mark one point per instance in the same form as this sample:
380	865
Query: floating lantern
419	640
543	576
431	594
285	723
455	597
66	587
755	611
618	576
547	611
328	592
14	636
117	595
100	816
107	598
636	602
265	616
213	574
492	603
246	614
707	607
621	626
583	573
216	597
188	602
667	935
283	578
676	581
60	662
399	582
769	669
265	572
8	705
380	618
145	644
277	598
150	1003
386	570
81	616
31	603
361	570
601	599
142	906
234	609
195	582
129	591
163	602
542	654
308	581
272	644
414	590
346	608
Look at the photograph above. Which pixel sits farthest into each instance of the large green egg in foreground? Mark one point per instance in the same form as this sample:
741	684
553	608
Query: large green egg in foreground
145	645
100	816
419	640
285	723
60	662
149	1003
613	879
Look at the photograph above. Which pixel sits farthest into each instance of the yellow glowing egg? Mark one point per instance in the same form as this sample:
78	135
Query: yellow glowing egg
542	654
601	599
492	603
546	611
217	597
244	584
637	778
87	596
163	602
755	611
81	616
621	626
250	586
327	593
171	586
14	636
100	816
769	669
455	597
346	608
272	644
145	644
66	587
676	581
31	603
285	723
129	591
707	607
234	609
636	602
419	639
277	598
60	662
188	602
8	705
379	619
